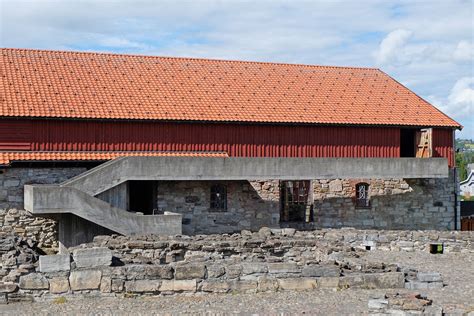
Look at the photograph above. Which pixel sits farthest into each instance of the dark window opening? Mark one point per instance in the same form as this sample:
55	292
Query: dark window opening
295	204
362	195
436	248
218	197
143	196
407	142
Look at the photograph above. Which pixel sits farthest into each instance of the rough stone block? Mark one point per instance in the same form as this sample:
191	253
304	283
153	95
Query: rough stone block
178	286
328	282
190	271
140	286
117	285
417	285
92	257
429	277
266	284
389	280
215	286
106	285
158	271
233	271
34	281
254	267
54	263
215	271
377	304
85	280
321	271
8	287
59	285
244	286
283	267
297	284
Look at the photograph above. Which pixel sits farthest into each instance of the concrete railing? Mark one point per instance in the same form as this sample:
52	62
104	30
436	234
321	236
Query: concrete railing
50	199
115	172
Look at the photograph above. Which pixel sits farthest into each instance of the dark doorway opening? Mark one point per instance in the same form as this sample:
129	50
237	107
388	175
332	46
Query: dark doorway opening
295	203
407	142
142	196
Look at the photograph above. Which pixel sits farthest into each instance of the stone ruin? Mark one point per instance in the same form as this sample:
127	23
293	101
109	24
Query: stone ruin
268	260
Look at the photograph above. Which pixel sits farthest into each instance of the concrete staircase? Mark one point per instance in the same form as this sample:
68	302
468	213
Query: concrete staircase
47	199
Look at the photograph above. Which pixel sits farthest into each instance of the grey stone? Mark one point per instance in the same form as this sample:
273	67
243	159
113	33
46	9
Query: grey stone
3	298
267	284
321	271
117	285
54	263
59	285
106	285
417	285
377	304
34	281
178	286
297	283
283	267
215	286
390	280
140	286
92	257
190	271
85	280
244	286
8	287
254	267
429	276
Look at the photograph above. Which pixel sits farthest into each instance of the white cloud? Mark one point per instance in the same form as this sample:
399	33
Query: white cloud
461	98
464	51
392	48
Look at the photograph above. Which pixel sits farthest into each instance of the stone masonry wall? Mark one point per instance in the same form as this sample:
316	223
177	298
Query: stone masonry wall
394	204
267	260
250	205
12	216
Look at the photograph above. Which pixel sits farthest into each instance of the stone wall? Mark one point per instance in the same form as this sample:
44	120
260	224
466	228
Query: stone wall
12	216
250	205
394	204
268	260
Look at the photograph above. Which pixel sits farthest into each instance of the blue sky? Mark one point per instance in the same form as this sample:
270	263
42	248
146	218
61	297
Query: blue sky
426	45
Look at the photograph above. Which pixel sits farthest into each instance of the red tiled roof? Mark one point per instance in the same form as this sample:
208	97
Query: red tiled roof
7	157
39	83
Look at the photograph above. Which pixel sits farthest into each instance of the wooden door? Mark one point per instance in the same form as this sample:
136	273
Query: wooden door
423	143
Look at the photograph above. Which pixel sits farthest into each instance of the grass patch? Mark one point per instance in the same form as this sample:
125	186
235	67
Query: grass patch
60	300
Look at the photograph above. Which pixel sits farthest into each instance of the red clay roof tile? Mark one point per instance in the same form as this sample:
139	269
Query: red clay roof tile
38	83
7	157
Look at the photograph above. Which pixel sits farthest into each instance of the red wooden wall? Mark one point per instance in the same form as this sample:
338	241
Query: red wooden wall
240	140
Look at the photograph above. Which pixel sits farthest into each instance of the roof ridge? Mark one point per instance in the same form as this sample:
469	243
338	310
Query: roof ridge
188	58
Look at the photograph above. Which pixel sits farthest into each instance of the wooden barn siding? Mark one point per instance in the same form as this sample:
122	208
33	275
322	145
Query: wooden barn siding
443	144
239	140
236	139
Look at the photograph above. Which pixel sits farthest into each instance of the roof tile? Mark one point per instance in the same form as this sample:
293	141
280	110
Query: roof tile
38	83
7	157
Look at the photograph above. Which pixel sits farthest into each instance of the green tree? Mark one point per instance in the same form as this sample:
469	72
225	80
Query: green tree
461	164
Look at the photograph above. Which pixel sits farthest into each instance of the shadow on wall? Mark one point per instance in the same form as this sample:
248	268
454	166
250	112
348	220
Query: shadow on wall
249	205
424	204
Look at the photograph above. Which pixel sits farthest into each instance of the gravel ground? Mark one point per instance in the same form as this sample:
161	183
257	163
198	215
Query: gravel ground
456	269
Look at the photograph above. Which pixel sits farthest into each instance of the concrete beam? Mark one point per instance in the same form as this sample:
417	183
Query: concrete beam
117	171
